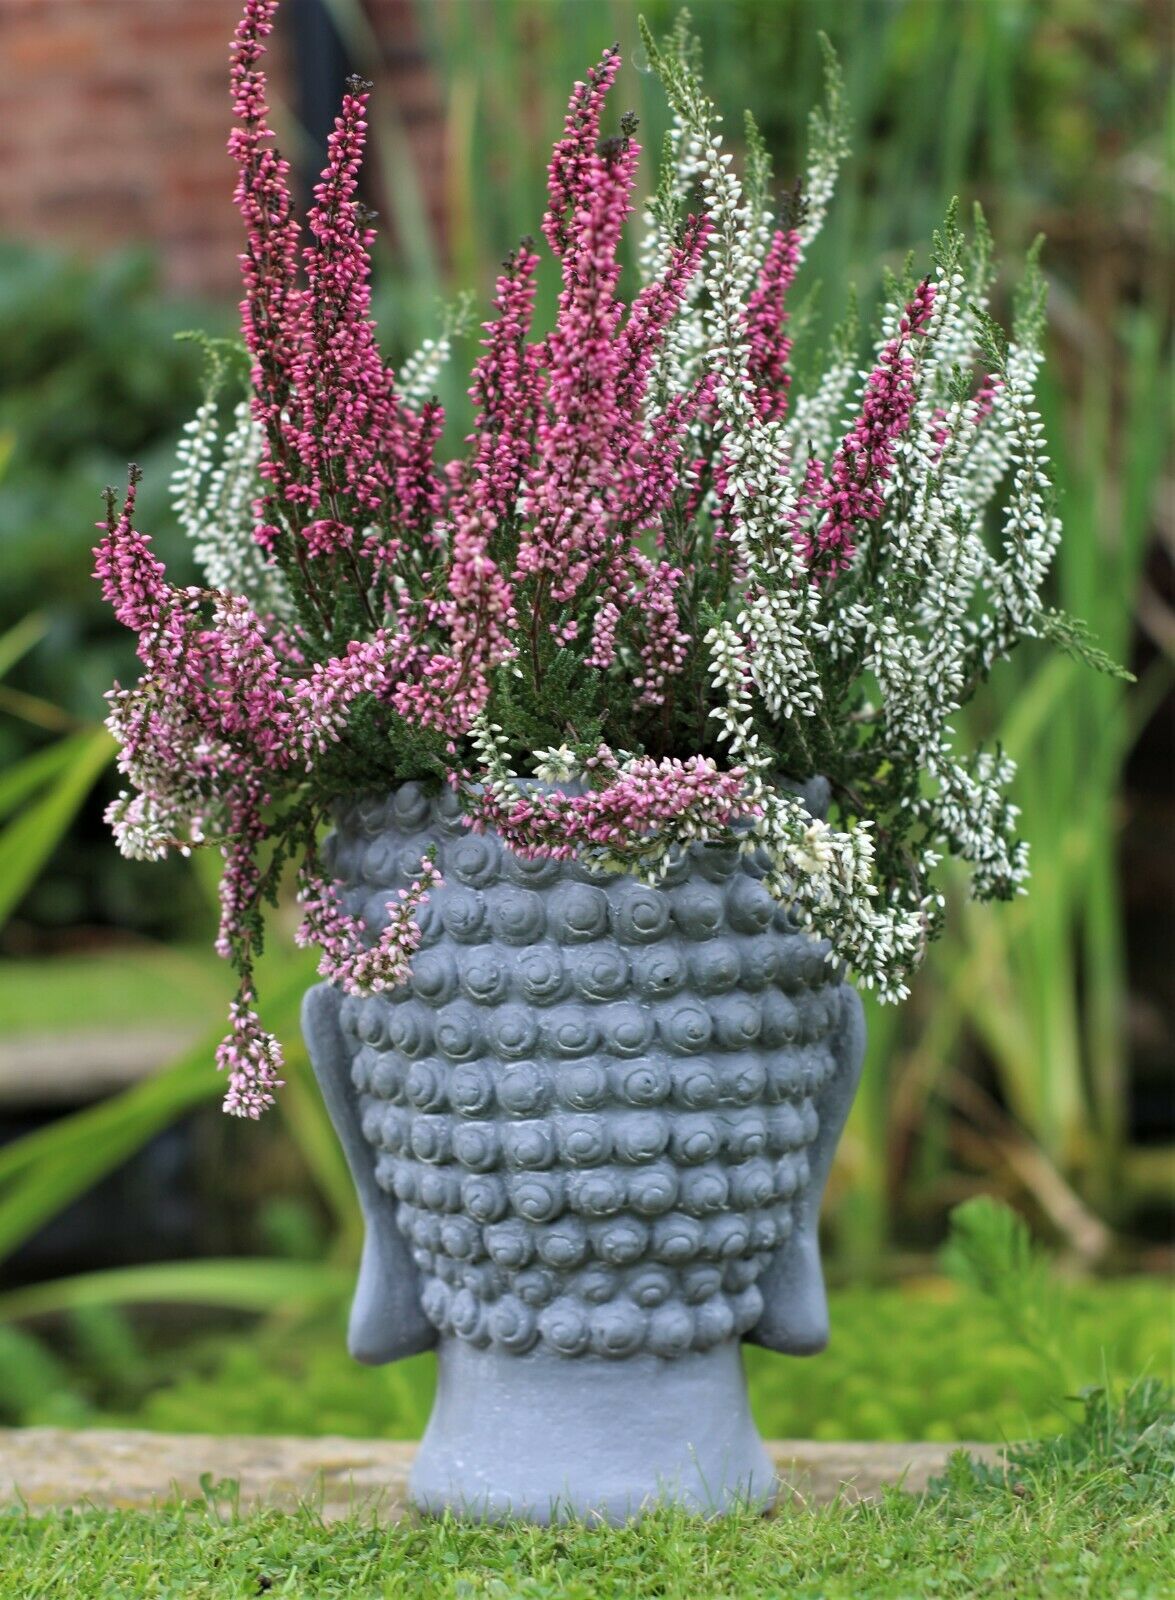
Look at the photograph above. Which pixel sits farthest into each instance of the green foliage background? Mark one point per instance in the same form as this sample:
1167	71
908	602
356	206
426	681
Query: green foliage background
1014	1066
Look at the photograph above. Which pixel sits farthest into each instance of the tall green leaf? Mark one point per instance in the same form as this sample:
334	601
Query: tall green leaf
235	1283
28	841
43	1172
18	640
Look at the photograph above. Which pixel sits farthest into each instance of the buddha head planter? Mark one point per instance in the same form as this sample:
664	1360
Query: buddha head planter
590	1135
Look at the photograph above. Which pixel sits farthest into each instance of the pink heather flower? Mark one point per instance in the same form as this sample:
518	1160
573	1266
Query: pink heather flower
939	432
644	804
203	686
651	470
349	958
602	474
812	494
603	651
569	172
252	1059
345	401
133	578
333	425
769	347
418	490
173	709
505	390
241	877
663	645
478	619
323	699
862	463
569	534
985	396
269	263
653	311
252	701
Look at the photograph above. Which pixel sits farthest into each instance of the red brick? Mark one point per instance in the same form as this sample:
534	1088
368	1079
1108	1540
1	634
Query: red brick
114	116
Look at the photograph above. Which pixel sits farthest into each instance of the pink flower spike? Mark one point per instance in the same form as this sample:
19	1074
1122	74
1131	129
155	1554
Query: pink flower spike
568	172
644	805
766	319
348	958
506	390
862	463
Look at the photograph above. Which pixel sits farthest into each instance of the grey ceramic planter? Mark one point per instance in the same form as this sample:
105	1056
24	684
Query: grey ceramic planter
590	1140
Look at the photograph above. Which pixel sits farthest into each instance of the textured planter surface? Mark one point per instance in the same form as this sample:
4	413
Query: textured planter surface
590	1138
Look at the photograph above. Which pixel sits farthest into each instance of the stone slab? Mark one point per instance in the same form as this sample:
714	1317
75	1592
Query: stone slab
57	1467
68	1069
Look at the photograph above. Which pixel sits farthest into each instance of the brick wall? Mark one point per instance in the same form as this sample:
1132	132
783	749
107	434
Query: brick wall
114	115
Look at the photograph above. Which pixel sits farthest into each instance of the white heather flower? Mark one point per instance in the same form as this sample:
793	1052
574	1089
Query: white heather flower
815	852
213	502
555	765
814	422
142	830
828	147
417	378
416	381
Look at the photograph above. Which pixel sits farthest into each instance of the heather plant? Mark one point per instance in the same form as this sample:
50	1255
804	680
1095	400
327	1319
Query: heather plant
656	590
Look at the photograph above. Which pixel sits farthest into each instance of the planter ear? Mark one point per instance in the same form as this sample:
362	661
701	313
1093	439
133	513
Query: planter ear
795	1305
387	1322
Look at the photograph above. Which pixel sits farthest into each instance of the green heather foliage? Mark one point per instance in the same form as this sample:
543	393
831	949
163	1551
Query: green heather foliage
826	586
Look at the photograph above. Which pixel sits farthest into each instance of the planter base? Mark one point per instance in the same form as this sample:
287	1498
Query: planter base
550	1439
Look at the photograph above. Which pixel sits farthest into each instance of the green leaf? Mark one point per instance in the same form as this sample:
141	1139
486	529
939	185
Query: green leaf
240	1284
20	639
43	1172
23	778
28	842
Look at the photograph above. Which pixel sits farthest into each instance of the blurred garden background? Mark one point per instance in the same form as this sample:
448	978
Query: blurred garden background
162	1264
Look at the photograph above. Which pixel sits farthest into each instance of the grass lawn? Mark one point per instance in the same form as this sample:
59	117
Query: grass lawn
1091	1514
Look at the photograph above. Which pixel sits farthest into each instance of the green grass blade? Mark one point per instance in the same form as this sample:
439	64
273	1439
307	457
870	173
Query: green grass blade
129	985
45	1171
